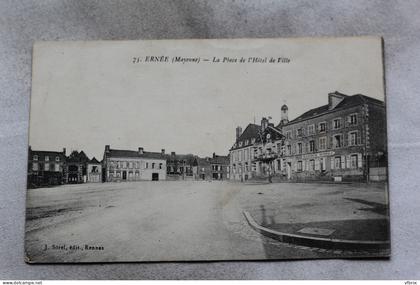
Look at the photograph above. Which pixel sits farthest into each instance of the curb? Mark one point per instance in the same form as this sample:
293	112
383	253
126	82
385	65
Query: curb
316	241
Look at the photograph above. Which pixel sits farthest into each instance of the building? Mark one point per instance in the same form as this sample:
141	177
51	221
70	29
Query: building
76	165
344	140
179	166
46	168
268	149
94	171
128	165
212	168
242	153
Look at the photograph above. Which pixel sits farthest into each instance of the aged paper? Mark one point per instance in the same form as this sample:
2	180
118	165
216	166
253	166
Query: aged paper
183	150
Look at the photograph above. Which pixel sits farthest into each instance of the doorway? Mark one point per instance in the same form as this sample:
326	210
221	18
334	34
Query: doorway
289	170
124	175
155	176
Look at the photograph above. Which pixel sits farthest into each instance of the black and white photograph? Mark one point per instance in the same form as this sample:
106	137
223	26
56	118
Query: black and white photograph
207	150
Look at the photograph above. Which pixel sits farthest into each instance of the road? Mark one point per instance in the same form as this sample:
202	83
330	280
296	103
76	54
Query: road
164	221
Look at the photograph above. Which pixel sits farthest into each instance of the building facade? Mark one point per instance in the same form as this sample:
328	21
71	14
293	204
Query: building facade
94	171
129	165
241	154
212	168
76	166
46	168
179	166
344	140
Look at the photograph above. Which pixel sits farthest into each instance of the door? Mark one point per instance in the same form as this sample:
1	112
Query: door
155	176
124	175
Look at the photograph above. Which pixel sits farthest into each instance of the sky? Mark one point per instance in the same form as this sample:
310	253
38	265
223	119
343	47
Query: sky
89	94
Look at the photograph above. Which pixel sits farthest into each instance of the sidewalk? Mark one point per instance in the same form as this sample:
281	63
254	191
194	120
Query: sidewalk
330	216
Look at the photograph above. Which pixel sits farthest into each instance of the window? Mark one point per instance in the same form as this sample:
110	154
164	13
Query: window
35	166
353	161
240	144
337	141
57	158
160	165
246	142
47	167
337	162
153	165
125	164
322	127
289	149
353	138
47	158
299	165
253	140
311	145
289	135
299	148
278	147
147	165
311	129
336	124
299	132
57	167
323	143
312	165
35	157
130	164
246	166
137	164
353	119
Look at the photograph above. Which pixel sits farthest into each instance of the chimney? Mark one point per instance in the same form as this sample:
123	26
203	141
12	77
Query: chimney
238	132
141	151
173	153
264	123
334	99
64	151
107	148
162	151
214	155
284	114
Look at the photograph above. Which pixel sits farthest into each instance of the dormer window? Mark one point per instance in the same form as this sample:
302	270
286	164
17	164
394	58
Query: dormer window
253	140
240	144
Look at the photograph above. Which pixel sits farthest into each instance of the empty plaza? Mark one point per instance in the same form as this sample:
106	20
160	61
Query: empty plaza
196	220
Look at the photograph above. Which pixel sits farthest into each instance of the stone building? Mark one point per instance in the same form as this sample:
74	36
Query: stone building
179	166
94	171
76	166
268	149
344	140
212	168
46	168
129	165
242	153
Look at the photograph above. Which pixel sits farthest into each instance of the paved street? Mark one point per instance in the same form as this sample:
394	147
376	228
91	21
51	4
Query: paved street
184	220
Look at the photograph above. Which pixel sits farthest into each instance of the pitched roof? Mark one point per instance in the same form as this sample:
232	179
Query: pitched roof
76	156
220	159
134	154
189	158
347	102
250	132
94	161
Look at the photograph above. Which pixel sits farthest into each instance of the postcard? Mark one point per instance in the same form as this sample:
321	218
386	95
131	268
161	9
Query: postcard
207	150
